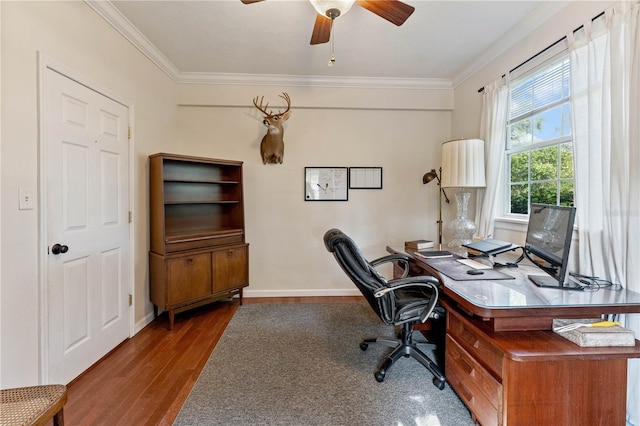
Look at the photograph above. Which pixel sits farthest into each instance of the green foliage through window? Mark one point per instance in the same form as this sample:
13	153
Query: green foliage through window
539	141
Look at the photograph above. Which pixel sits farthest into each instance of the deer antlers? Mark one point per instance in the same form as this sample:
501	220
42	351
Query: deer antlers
262	109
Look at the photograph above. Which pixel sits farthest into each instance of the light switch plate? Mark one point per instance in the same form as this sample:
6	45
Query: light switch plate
26	199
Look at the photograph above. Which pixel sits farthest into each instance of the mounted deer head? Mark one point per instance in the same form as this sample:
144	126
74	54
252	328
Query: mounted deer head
272	146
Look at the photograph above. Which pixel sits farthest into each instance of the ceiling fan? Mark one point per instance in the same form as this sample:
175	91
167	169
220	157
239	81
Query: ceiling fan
393	11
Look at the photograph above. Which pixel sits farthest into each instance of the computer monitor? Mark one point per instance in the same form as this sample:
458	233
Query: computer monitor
549	239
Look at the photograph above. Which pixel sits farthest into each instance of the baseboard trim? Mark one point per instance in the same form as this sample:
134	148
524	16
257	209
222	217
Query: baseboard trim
301	293
145	321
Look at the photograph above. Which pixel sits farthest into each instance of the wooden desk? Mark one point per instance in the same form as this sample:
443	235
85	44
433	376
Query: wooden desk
510	371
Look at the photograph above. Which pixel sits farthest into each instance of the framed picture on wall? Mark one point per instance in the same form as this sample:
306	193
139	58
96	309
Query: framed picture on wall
365	177
326	183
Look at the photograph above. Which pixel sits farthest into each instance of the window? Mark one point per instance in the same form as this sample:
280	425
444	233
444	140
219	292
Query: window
539	142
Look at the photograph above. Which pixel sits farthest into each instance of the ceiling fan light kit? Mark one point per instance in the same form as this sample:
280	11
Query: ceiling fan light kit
332	8
393	11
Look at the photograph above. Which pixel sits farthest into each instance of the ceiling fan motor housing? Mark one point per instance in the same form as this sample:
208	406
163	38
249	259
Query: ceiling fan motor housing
333	13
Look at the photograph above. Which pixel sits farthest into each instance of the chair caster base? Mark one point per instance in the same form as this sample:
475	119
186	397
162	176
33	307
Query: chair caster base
382	371
438	383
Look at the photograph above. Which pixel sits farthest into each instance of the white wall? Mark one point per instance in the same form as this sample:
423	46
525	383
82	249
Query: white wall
71	34
400	131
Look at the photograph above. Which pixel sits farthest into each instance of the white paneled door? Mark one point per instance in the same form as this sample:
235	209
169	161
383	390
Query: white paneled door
86	166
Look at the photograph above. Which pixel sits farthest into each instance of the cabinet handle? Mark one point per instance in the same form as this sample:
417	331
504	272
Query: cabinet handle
470	339
230	253
468	367
188	261
464	393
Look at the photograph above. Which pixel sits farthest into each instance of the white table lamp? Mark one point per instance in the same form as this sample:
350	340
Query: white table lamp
462	167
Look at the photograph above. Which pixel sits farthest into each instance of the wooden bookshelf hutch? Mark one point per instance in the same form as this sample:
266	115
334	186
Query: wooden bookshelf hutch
198	250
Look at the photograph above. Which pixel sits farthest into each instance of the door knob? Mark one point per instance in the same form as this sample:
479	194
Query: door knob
58	248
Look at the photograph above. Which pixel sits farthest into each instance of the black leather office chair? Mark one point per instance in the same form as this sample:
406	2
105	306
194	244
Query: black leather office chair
399	302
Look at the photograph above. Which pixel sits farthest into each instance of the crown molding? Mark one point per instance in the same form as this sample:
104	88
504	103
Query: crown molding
120	23
316	81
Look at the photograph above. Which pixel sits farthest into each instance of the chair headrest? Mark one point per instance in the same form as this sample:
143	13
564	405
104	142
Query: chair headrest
340	244
333	237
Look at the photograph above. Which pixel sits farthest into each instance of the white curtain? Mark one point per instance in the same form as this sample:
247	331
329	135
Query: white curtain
493	132
605	103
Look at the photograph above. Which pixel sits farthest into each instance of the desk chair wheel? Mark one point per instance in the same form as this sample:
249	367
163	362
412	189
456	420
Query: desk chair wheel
364	346
382	371
438	383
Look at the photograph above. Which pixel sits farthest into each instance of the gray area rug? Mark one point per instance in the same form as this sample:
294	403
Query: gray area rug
301	364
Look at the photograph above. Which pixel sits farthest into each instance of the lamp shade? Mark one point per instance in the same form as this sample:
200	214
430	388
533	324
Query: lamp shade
463	164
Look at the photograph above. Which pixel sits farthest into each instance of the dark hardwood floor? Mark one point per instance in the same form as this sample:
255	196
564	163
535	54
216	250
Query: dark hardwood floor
146	379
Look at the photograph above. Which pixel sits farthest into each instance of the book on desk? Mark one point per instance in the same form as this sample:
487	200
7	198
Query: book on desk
433	254
414	245
580	332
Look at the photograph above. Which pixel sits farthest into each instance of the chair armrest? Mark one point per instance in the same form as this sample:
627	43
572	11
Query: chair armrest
421	281
415	282
402	259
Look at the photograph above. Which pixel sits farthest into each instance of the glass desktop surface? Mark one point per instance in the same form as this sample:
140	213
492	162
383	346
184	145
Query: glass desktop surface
522	293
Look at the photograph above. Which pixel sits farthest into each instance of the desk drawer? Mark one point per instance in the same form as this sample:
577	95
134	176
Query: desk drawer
480	392
475	343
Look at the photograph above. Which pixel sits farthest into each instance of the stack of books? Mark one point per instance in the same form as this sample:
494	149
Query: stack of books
416	245
594	332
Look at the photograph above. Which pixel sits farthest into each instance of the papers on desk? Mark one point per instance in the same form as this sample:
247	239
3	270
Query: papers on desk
473	264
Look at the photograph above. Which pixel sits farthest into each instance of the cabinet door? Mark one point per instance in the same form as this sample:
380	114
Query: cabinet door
230	268
188	278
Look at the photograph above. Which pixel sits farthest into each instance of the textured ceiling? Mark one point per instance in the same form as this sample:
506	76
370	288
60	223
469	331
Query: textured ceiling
441	40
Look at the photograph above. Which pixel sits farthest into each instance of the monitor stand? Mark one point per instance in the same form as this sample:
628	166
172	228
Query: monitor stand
550	282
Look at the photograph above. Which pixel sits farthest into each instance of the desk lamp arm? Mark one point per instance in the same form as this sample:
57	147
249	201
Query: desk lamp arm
428	177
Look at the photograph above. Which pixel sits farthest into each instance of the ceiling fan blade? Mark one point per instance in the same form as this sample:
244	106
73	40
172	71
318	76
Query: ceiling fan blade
393	11
250	1
321	30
